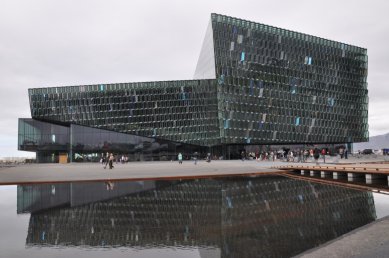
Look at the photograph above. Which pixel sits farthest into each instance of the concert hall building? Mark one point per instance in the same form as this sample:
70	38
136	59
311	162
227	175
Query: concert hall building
254	85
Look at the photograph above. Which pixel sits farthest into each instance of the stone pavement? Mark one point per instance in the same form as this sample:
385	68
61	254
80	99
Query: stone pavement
371	240
39	173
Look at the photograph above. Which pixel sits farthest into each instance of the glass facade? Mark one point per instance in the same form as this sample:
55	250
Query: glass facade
183	111
83	143
205	68
254	85
280	86
271	216
46	139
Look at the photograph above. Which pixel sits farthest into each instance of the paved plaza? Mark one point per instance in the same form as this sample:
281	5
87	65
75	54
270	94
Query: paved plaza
370	240
40	173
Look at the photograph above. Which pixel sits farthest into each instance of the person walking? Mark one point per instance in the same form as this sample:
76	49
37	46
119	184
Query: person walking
323	153
106	160
306	155
195	155
316	155
208	157
111	159
242	154
180	158
341	153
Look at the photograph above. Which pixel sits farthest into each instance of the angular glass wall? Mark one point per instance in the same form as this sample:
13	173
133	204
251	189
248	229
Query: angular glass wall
184	111
90	144
280	86
205	68
83	144
46	139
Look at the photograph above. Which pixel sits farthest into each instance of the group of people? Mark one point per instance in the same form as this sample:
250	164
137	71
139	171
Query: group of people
271	155
305	155
108	159
294	155
124	159
195	157
313	155
285	155
343	153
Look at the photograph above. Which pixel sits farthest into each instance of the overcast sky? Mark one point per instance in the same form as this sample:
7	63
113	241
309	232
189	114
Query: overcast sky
59	43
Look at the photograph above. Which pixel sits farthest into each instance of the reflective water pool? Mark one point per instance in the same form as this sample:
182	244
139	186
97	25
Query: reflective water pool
263	216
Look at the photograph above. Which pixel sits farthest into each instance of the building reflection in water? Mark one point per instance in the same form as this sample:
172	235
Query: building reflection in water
239	217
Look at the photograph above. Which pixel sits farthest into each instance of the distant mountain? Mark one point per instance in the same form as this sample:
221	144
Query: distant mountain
375	142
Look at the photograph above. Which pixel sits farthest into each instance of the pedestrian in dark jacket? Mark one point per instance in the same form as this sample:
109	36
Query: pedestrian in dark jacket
195	156
106	160
111	159
316	155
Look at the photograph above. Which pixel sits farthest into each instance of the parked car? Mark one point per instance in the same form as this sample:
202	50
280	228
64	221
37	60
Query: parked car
367	151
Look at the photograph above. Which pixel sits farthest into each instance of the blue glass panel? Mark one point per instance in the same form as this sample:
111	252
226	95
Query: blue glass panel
226	124
229	202
297	121
221	80
251	87
235	30
242	57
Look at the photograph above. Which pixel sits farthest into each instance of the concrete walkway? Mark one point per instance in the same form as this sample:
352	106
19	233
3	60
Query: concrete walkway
39	173
368	241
